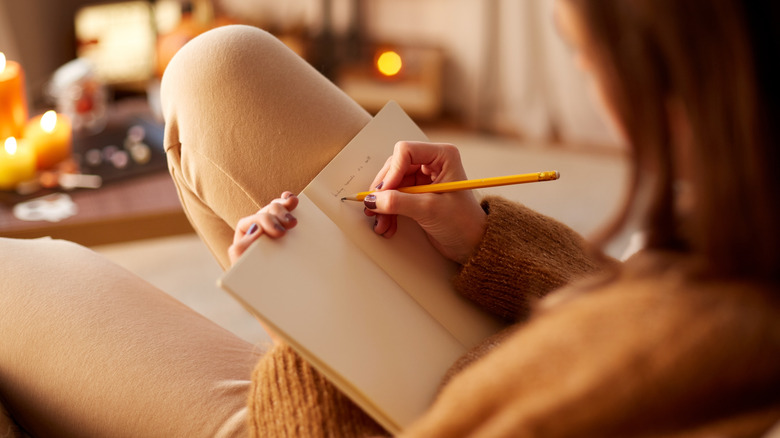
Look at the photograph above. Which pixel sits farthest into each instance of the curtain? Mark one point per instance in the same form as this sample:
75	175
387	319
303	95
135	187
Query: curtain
531	86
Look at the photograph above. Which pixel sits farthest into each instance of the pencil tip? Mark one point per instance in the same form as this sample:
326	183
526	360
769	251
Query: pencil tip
343	199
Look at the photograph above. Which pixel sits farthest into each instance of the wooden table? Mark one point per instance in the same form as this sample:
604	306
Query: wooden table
138	205
141	207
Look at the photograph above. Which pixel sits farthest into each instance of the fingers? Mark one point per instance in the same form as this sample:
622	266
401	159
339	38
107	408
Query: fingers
279	208
454	222
273	220
380	176
413	163
426	162
385	224
240	245
387	204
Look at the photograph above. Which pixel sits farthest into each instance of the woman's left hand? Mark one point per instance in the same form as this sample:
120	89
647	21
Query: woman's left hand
273	220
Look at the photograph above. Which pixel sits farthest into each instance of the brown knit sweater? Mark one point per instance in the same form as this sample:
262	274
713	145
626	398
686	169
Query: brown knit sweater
648	353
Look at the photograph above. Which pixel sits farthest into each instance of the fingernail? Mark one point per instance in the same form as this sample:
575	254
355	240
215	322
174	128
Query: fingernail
252	229
370	202
376	222
289	195
379	186
278	226
290	218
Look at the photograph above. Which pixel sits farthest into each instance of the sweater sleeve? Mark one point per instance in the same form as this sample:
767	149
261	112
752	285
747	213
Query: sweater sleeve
290	398
656	355
522	256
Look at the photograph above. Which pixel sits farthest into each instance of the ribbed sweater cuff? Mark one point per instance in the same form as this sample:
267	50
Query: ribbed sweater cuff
289	398
522	257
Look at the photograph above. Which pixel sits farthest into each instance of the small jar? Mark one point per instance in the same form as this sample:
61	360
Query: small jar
79	94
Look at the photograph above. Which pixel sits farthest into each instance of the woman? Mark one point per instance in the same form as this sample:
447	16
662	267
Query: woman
685	338
682	340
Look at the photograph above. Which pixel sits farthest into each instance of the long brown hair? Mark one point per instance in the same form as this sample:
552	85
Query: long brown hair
715	59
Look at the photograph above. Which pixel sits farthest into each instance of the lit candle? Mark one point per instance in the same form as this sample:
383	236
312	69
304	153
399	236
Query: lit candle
13	102
50	136
17	164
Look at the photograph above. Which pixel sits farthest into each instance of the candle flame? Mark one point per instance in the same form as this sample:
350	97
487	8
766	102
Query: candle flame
49	121
10	145
2	62
389	63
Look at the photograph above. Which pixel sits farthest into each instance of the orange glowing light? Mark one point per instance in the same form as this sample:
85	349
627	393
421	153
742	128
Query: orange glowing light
10	145
49	121
389	63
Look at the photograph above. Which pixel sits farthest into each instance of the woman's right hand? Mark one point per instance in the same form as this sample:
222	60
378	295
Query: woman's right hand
454	221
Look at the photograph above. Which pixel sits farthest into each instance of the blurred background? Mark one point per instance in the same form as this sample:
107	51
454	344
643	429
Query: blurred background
491	76
493	65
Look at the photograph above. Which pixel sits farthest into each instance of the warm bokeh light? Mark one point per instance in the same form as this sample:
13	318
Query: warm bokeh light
2	62
49	121
389	63
10	145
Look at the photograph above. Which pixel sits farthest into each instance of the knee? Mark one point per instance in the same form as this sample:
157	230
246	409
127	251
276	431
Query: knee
197	83
220	56
223	74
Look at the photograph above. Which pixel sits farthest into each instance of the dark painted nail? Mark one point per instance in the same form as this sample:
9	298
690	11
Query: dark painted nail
379	186
370	202
289	195
252	229
290	218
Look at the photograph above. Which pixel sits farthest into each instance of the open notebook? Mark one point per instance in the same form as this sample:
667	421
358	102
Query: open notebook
378	317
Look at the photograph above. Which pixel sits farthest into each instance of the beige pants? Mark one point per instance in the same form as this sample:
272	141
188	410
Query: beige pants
88	349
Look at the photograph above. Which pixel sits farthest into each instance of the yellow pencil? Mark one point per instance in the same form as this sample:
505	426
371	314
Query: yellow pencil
469	184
